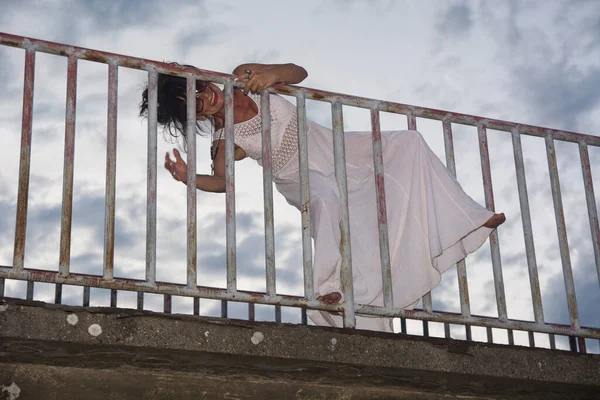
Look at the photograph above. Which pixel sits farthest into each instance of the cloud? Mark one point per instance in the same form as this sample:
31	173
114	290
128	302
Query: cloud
557	92
456	21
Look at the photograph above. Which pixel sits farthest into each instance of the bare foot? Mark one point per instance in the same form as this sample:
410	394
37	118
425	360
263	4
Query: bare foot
495	221
331	298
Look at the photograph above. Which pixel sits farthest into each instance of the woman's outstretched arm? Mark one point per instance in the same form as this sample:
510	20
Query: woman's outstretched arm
266	75
208	183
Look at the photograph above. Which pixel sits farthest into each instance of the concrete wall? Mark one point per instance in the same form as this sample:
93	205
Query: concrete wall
59	352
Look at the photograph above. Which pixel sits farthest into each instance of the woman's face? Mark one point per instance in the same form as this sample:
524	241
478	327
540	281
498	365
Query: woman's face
209	101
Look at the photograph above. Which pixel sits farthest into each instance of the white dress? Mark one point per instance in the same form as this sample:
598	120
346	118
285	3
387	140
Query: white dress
432	222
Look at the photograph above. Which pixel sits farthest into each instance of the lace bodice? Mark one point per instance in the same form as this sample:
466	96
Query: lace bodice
284	132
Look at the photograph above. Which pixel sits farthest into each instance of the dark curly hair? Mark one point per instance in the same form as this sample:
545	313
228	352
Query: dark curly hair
171	109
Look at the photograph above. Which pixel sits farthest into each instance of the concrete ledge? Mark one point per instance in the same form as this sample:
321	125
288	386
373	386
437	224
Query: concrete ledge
58	350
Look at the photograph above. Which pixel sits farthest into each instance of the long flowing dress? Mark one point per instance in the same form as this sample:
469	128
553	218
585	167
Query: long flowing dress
432	222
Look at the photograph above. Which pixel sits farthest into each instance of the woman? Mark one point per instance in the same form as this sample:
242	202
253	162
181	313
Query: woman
432	223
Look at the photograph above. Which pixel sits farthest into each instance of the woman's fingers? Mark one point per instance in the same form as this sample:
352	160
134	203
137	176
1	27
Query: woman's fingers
177	156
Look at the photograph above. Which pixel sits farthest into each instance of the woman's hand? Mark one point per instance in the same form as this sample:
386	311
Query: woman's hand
257	80
178	169
263	76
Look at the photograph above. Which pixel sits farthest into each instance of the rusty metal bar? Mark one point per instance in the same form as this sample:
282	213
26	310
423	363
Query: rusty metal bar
591	203
489	203
412	121
265	107
30	289
67	196
534	282
230	190
562	234
309	291
277	313
140	300
196	306
425	328
111	173
58	293
453	318
167	304
192	242
309	93
223	308
142	287
251	312
461	268
113	298
24	161
582	346
384	242
339	153
511	337
572	344
151	178
86	296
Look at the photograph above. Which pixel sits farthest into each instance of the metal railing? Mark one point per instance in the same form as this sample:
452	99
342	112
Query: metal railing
231	293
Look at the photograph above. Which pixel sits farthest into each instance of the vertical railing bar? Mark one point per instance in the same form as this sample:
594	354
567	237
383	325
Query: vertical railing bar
267	160
403	325
113	298
534	282
68	169
384	245
552	340
490	334
461	268
468	333
489	203
251	312
30	289
2	286
151	178
196	306
412	122
572	344
140	300
581	344
426	299
591	202
309	292
447	330
345	245
167	304
277	313
111	172
562	233
58	293
223	308
425	329
86	296
230	190
190	128
24	162
304	316
531	339
511	337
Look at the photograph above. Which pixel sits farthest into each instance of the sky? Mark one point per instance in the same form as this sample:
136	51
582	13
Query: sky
534	62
